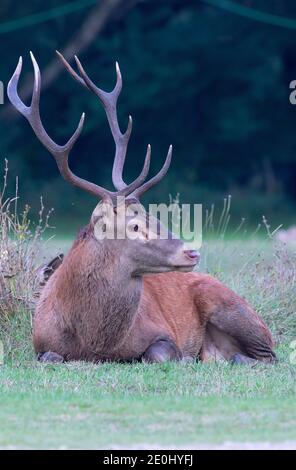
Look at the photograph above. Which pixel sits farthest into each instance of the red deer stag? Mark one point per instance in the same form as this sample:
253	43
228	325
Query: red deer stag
132	299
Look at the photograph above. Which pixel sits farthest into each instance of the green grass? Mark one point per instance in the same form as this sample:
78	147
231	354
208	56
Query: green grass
101	406
80	405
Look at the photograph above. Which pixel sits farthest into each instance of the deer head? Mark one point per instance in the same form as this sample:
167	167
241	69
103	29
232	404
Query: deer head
143	247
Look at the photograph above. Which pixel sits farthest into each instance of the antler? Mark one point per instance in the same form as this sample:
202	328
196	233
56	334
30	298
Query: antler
61	152
109	102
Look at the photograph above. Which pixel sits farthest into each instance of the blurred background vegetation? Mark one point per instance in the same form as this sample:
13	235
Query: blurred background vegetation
211	77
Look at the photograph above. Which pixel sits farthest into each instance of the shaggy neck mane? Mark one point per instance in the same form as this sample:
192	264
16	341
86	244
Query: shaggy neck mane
102	295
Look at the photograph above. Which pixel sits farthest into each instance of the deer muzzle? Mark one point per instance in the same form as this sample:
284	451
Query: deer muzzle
185	260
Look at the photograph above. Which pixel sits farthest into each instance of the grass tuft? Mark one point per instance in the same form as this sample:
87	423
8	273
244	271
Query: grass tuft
20	245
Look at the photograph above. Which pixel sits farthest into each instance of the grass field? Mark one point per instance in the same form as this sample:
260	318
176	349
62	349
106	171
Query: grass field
80	405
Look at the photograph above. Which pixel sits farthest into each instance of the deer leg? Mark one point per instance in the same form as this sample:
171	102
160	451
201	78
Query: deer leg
50	356
162	350
238	336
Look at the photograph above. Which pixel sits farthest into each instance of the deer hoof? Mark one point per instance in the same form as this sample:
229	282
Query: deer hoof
162	350
241	359
50	356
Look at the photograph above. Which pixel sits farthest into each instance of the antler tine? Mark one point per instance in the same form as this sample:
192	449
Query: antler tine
59	152
71	70
109	102
12	89
142	189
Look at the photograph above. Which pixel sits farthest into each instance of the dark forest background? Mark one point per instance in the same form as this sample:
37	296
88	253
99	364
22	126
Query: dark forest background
212	82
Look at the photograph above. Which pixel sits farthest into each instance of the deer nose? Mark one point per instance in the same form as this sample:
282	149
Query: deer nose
192	254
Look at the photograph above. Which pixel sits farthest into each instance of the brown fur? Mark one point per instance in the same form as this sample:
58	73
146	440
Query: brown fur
92	309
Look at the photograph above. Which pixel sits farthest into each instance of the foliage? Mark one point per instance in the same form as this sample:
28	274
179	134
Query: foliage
19	250
212	83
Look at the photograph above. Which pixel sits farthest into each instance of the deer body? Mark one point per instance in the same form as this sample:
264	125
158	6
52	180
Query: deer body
94	309
135	297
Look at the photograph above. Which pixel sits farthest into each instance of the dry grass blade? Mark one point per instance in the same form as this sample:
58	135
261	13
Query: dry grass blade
19	250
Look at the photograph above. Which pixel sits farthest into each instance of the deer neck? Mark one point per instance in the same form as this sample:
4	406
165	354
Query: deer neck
103	296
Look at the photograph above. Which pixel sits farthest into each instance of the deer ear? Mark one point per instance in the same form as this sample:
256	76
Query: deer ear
95	219
45	271
99	212
96	215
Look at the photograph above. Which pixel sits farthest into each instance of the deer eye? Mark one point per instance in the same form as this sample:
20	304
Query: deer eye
104	228
136	228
